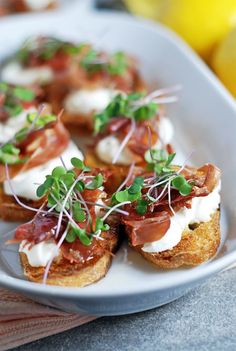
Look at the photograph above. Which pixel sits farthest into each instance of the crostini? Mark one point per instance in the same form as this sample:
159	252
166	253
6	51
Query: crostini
102	76
45	61
127	128
173	212
35	146
72	238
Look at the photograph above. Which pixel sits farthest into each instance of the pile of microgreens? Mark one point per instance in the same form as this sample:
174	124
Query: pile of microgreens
9	152
45	48
144	192
137	107
115	64
64	190
13	97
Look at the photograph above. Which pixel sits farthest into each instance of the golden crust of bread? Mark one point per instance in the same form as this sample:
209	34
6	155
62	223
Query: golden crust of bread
79	120
196	246
64	273
11	211
79	278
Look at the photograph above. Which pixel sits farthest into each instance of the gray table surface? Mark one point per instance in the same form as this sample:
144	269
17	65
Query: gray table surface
204	319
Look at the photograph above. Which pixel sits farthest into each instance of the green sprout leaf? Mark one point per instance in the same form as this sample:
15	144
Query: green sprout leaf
141	207
81	235
95	183
79	164
24	94
78	214
159	161
71	236
41	191
13	109
58	172
181	184
9	154
40	121
124	105
132	193
118	64
100	225
21	134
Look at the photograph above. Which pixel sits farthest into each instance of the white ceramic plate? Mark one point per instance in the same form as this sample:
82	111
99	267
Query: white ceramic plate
205	120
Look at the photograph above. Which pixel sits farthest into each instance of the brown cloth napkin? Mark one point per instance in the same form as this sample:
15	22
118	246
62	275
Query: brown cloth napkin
23	321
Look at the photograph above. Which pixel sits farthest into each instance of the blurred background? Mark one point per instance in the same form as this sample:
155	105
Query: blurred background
209	26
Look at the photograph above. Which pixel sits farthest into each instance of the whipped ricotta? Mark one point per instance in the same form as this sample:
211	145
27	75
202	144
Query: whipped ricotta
26	183
107	148
14	73
166	130
9	128
39	254
88	101
201	211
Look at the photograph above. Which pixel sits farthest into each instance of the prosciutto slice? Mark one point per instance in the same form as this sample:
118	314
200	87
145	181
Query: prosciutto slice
149	229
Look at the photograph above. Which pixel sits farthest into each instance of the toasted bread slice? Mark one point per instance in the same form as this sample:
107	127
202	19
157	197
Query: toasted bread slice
11	211
197	245
69	277
64	273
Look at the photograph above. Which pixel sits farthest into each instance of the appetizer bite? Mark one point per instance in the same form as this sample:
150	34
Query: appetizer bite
102	76
128	127
173	212
45	61
31	5
71	240
27	157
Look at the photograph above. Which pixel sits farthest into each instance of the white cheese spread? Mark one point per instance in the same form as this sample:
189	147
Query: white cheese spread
26	183
107	148
88	101
14	73
39	254
9	128
201	211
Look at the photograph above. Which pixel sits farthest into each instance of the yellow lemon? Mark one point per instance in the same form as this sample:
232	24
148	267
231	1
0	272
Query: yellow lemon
202	23
224	61
146	8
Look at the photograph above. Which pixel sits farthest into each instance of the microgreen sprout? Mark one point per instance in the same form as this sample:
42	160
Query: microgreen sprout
65	192
147	191
12	100
9	151
45	48
136	106
115	64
